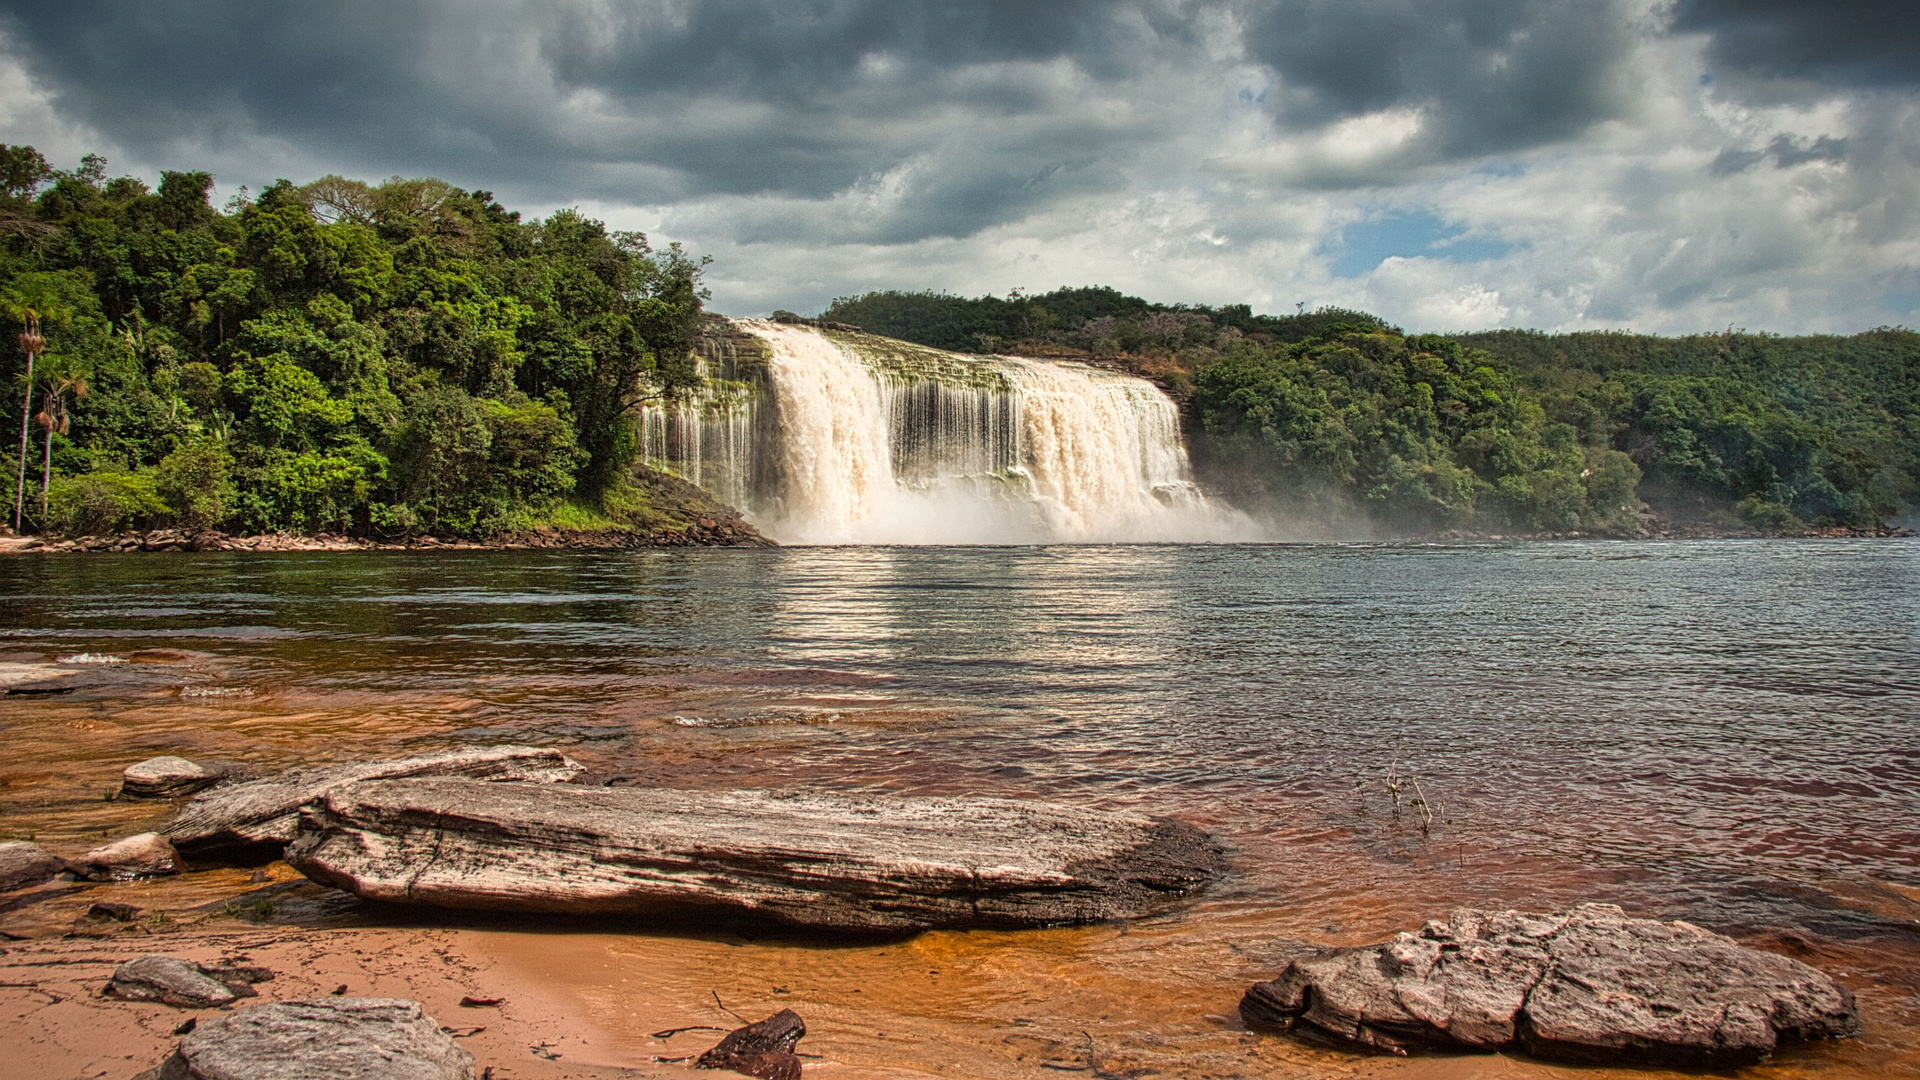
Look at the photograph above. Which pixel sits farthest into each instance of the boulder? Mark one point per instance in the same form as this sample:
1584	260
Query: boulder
1589	985
252	821
764	1049
183	983
849	862
142	855
168	777
335	1038
23	864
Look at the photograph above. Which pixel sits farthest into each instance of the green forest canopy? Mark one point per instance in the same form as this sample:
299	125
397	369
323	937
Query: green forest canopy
394	358
1336	415
411	357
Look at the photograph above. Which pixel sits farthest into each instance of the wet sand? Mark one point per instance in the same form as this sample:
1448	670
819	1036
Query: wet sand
588	1002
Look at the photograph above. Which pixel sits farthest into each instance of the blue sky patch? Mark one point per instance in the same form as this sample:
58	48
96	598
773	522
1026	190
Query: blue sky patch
1364	245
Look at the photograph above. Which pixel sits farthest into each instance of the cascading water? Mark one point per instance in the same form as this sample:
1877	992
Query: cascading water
941	448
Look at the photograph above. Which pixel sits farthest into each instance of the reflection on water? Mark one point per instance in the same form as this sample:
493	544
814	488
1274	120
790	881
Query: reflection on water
1722	731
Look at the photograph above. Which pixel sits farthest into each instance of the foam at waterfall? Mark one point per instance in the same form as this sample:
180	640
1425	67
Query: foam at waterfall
995	450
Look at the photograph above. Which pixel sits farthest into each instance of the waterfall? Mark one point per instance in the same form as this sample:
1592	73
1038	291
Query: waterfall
707	437
919	446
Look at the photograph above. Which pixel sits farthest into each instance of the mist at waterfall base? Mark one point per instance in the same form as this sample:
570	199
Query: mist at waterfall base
838	446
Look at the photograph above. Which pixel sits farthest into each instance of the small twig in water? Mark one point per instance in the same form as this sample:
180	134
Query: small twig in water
671	1032
1426	809
724	1009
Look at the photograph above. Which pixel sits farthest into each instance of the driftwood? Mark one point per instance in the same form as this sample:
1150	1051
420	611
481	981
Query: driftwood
764	1049
1588	985
251	822
866	863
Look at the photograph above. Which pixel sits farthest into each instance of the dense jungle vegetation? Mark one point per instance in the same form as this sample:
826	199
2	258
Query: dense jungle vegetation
1336	416
389	359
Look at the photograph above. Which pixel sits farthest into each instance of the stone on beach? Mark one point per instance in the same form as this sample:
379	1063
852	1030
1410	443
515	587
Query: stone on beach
141	855
183	983
23	864
828	861
1589	985
336	1038
244	819
764	1049
168	777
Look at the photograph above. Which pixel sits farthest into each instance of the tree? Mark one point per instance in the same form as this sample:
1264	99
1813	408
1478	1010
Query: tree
31	300
63	380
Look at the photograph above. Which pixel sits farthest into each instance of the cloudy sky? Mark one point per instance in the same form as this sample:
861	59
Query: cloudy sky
1664	165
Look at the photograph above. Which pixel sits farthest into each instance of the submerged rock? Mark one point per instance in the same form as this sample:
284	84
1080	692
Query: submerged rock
336	1038
764	1049
1589	985
23	864
169	777
183	983
253	820
141	855
826	861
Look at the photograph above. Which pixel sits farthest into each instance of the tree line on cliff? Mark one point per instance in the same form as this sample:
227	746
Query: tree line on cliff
396	358
1335	416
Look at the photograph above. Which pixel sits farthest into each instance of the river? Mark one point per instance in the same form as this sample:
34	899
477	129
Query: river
1721	731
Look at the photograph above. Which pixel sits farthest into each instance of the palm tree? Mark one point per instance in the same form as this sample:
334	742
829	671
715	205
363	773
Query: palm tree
55	418
31	299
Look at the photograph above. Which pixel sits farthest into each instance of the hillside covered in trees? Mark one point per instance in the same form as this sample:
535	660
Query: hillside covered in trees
391	359
405	358
1335	416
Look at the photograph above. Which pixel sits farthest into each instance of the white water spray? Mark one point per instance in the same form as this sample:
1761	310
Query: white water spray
1013	451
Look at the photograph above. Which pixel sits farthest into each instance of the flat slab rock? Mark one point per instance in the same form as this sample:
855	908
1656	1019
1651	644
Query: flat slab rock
1589	985
242	819
170	777
141	855
811	860
341	1038
23	863
183	983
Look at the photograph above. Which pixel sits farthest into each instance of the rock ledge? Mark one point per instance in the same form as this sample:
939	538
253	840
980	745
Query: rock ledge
846	862
1589	985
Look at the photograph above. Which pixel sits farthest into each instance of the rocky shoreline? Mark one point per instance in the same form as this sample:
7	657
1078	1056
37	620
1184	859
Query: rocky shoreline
521	829
705	532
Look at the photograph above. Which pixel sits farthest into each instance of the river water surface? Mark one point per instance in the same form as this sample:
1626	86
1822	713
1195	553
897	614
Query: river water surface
1722	731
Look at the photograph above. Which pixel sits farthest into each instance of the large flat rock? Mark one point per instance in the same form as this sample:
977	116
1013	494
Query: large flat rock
342	1038
1588	985
254	819
868	863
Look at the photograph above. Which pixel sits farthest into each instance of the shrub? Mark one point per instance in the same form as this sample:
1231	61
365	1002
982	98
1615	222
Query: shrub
103	502
194	481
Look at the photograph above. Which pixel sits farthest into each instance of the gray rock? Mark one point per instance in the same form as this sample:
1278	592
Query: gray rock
812	860
336	1038
169	777
252	821
141	855
23	864
183	983
1588	985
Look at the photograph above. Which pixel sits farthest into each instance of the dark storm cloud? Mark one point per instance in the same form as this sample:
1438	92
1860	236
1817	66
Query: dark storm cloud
891	121
648	101
1849	42
1491	75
